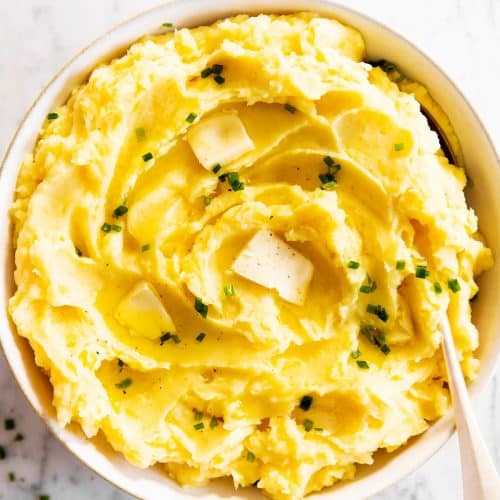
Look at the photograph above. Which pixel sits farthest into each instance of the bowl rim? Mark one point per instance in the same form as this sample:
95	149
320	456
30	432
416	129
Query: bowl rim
477	387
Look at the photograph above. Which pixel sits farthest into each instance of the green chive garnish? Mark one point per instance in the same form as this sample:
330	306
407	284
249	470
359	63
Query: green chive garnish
145	247
399	146
437	287
375	337
199	426
370	286
206	72
355	354
328	161
319	429
9	424
454	285
234	181
147	156
18	437
207	200
216	168
385	349
378	311
352	264
421	272
106	228
167	25
308	424
3	453
79	253
176	338
127	382
214	422
290	108
400	265
12	477
200	307
363	364
52	116
229	290
121	364
250	457
140	134
165	338
191	117
119	211
198	415
223	177
217	69
200	337
219	79
44	497
306	402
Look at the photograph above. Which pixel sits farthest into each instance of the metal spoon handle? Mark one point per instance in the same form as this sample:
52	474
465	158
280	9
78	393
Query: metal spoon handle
480	478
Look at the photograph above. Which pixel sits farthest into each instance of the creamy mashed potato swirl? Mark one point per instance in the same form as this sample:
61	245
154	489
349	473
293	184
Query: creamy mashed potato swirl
233	247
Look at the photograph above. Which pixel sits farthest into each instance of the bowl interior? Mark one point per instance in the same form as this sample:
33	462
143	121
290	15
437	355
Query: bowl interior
482	164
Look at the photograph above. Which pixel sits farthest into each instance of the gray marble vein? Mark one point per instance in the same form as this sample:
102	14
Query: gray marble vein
38	36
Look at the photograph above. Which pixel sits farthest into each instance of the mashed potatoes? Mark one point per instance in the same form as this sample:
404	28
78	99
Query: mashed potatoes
233	248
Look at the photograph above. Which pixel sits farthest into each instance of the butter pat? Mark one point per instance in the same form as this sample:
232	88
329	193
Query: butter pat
270	262
220	138
142	311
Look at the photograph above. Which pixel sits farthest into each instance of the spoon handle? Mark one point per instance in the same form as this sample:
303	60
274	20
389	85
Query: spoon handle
480	478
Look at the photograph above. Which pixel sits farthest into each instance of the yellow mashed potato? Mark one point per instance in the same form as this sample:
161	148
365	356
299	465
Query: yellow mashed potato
234	245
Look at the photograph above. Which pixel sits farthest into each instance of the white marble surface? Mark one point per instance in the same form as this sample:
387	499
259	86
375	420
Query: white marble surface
38	36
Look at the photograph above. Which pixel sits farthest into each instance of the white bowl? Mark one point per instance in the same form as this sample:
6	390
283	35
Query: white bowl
483	165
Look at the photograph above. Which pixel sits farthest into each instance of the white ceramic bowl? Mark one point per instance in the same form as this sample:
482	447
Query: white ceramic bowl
482	163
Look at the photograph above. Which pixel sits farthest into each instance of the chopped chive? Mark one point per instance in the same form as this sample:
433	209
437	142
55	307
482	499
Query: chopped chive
378	311
106	228
363	364
52	116
176	338
328	186
326	178
400	265
206	72
207	200
145	247
114	227
399	146
199	426
229	290
355	354
319	429
308	424
290	108
148	156
127	382
3	453
328	161
191	117
437	287
120	211
217	69
250	457
219	79
9	424
200	337
165	338
121	364
44	497
12	477
306	402
454	285
216	168
352	264
214	422
19	437
421	272
167	25
223	177
198	415
79	253
233	179
370	286
385	349
200	307
140	134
